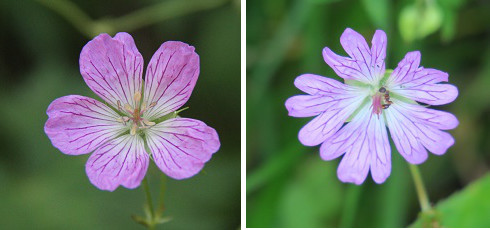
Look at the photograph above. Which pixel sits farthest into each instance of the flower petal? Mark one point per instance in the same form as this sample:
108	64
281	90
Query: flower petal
365	64
413	131
365	142
181	146
78	124
170	78
307	105
336	109
420	84
318	85
430	117
121	161
112	68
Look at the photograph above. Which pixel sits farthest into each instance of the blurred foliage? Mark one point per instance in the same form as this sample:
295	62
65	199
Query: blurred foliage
288	185
467	208
41	188
419	20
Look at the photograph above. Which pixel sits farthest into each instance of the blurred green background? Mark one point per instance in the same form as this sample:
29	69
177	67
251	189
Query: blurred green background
41	188
288	185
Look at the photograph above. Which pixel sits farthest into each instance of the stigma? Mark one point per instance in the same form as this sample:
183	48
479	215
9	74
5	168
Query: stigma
135	115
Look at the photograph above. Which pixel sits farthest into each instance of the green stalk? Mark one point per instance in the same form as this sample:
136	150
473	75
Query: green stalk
151	223
131	21
72	13
161	206
420	188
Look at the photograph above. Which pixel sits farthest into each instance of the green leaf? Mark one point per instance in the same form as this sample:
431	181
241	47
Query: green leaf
419	21
377	11
468	208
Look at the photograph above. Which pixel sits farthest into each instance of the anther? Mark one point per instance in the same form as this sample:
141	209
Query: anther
144	108
137	98
128	108
148	123
133	129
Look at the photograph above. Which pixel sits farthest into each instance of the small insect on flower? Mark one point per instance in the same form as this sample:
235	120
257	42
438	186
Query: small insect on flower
369	89
134	127
386	97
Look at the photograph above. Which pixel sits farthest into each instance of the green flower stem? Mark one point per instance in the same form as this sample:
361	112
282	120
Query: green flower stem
161	201
419	186
72	13
161	12
151	223
132	21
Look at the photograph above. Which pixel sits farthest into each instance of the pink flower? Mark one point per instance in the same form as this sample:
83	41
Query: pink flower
136	116
372	99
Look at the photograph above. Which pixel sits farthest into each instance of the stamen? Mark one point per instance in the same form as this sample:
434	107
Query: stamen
128	108
137	98
123	120
144	108
134	127
136	112
119	105
148	123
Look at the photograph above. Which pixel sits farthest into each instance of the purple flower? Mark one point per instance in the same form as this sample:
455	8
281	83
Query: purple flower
371	99
139	122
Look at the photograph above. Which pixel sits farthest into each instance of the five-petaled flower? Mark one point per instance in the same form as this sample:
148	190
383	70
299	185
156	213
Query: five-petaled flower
371	99
140	116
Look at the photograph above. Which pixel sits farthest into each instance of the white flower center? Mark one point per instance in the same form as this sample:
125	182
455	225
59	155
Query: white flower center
135	117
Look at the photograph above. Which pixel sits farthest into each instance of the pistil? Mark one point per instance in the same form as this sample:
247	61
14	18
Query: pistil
136	114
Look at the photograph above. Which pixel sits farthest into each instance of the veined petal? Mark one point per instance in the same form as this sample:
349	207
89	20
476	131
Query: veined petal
318	85
413	131
181	146
420	84
78	124
430	117
307	105
365	64
365	143
112	68
406	69
170	78
121	161
432	94
378	53
334	110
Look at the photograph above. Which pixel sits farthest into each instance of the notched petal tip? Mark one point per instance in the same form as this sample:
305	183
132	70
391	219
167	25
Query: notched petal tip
349	32
171	76
178	45
112	67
